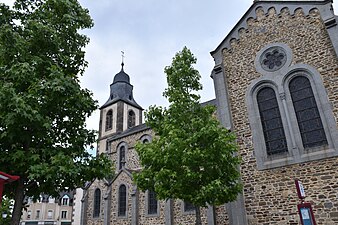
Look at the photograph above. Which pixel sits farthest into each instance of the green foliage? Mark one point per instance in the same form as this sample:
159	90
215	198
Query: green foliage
43	109
5	210
193	157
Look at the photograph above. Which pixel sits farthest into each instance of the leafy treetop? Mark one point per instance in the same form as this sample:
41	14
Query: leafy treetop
43	108
192	157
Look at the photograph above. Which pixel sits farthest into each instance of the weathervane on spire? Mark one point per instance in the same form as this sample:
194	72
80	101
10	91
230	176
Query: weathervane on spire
122	55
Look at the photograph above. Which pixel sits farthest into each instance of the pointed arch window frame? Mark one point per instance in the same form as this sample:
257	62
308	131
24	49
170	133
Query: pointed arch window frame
97	203
297	153
121	162
109	120
148	202
119	206
131	119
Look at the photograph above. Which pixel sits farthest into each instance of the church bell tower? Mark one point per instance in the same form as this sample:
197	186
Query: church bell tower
120	112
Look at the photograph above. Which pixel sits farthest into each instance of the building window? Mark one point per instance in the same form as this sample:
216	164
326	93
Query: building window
122	201
131	119
97	202
63	214
152	203
29	215
308	117
146	139
188	207
290	115
37	215
65	200
271	120
122	154
50	214
109	120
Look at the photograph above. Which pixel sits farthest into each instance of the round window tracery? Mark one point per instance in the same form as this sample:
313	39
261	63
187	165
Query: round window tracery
273	59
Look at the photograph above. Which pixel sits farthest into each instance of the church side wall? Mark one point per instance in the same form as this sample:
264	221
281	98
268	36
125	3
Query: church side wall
114	218
221	215
181	217
144	218
89	209
270	195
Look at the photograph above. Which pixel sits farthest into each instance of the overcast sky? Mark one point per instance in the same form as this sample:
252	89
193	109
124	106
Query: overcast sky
150	32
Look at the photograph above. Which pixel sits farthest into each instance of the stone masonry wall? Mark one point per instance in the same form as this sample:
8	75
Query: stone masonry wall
270	195
158	219
186	218
90	195
132	159
114	218
221	215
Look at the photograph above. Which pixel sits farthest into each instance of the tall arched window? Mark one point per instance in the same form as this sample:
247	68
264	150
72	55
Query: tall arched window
271	120
97	202
294	111
109	120
131	119
152	203
308	117
122	201
122	157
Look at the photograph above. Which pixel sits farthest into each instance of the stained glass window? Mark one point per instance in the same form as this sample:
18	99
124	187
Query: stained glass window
152	202
97	202
308	118
274	135
122	204
122	157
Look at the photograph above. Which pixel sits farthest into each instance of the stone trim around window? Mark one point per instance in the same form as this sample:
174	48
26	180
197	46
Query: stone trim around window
146	138
157	214
109	120
97	200
261	59
296	152
118	162
186	212
118	203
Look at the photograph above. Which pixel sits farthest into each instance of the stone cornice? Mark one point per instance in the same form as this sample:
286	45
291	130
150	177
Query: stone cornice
324	7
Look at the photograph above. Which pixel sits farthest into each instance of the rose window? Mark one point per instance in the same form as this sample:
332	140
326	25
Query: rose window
273	59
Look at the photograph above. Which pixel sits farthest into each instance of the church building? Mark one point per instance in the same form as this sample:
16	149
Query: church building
276	86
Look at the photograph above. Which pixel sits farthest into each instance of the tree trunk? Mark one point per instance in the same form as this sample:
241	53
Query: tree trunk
19	196
198	216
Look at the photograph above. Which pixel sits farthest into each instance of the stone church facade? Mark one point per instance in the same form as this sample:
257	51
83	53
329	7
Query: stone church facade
276	85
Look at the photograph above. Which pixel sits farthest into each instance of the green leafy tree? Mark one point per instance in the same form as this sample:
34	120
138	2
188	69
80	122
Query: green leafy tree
43	109
192	157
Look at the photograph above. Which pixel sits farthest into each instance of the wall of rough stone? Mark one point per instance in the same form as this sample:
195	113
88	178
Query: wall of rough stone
115	219
270	195
221	215
144	218
132	159
186	218
90	195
